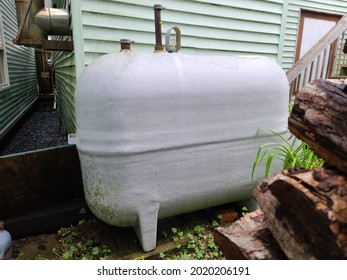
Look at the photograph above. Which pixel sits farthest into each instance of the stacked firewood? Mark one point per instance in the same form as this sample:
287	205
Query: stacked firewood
303	213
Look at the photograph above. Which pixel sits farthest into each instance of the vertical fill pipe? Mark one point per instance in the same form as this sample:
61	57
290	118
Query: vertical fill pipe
125	45
157	20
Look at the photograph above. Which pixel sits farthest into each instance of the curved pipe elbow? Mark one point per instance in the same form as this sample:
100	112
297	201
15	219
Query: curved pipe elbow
53	21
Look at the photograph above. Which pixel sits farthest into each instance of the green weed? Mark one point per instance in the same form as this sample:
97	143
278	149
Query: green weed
198	245
294	153
78	243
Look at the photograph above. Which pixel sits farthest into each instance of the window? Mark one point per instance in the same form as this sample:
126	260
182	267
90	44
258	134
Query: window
4	81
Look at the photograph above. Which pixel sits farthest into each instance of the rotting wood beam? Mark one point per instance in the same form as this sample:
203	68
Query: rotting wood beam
319	119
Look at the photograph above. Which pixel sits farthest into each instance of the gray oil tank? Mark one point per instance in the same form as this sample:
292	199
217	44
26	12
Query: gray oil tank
162	134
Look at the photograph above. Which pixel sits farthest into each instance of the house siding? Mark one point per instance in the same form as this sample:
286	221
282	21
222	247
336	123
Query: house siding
207	27
248	27
293	18
16	99
65	76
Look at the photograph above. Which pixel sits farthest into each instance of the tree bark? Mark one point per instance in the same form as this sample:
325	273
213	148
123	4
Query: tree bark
306	211
319	118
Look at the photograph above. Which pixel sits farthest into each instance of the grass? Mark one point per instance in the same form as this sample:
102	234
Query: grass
293	153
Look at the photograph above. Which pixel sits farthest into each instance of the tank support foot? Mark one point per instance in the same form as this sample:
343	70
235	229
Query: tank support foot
146	230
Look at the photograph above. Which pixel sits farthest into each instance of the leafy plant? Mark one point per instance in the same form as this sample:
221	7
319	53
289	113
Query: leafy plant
244	211
199	245
178	234
78	243
293	154
214	224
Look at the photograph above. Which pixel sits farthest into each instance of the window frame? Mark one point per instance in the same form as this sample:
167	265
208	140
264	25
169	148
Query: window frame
3	58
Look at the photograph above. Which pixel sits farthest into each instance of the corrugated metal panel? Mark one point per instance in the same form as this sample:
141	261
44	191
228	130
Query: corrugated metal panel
22	92
295	6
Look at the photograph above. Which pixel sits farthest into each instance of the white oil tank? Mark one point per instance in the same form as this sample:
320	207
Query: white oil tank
161	134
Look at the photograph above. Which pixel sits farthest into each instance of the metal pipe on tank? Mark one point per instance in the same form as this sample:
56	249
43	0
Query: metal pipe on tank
125	45
157	20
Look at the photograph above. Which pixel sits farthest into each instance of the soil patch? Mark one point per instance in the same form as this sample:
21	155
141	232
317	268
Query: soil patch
93	239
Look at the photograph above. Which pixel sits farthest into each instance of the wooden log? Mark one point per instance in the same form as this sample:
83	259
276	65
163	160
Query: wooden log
319	118
248	239
281	229
306	211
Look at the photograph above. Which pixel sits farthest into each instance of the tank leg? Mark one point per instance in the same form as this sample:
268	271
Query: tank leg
146	230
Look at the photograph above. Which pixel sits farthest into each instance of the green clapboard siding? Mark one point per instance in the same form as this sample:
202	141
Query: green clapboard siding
65	75
259	27
207	26
16	99
236	27
65	81
292	23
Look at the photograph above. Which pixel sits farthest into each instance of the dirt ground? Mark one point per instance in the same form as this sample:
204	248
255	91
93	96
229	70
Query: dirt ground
121	242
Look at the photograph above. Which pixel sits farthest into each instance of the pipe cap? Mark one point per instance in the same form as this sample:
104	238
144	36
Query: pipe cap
158	7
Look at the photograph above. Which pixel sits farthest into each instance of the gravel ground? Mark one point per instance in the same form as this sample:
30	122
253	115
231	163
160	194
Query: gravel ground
38	129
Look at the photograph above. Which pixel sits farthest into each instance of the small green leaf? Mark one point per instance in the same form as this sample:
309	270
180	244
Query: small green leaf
66	255
162	255
214	224
96	251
